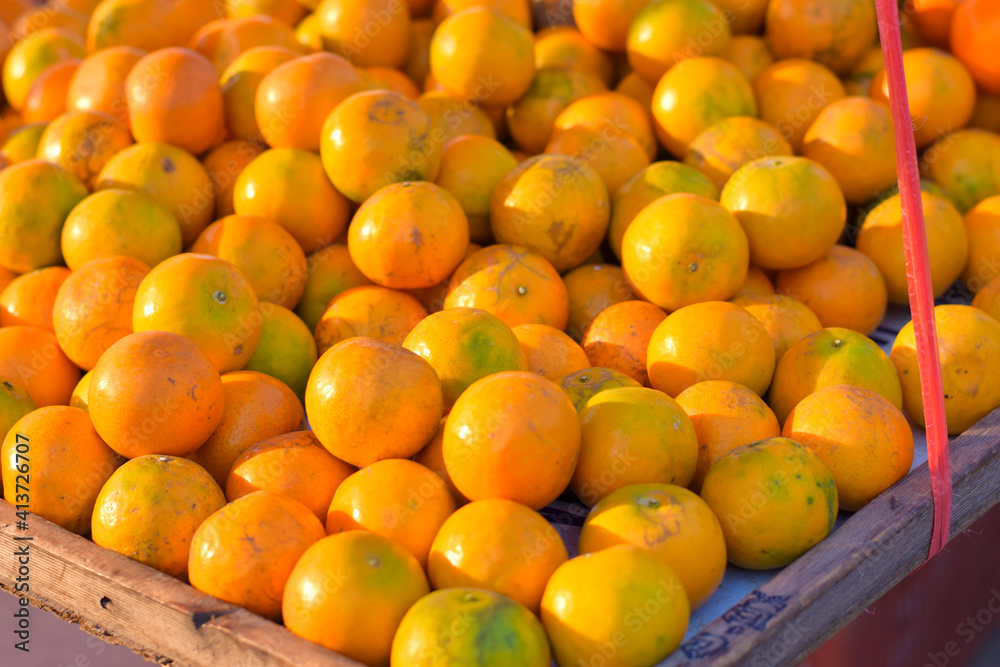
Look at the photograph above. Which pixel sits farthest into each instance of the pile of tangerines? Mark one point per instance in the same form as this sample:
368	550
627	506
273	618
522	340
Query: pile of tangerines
632	259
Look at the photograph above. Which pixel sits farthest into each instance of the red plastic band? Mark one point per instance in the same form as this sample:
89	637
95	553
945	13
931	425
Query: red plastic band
918	276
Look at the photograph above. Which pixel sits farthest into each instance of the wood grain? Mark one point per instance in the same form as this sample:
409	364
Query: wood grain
786	618
160	618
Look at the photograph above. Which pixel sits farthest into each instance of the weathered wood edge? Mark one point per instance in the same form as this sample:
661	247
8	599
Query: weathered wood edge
124	602
790	615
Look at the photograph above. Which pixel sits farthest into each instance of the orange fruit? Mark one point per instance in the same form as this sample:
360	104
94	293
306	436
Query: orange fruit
381	580
471	168
524	451
147	25
35	198
592	288
638	89
99	82
170	176
83	142
239	84
370	310
244	553
29	299
669	521
81	393
684	249
307	33
592	600
655	181
632	435
286	11
479	45
358	165
369	400
224	164
155	393
464	345
531	119
772	196
614	155
452	117
32	358
757	283
565	46
792	92
555	205
713	340
31	56
222	41
295	98
731	143
932	19
286	350
774	499
696	94
330	272
859	80
744	16
726	415
581	385
863	439
10	10
289	186
389	78
150	508
206	300
665	32
982	227
22	145
832	356
189	114
294	464
605	23
881	239
366	32
432	458
835	33
408	235
418	61
939	90
513	283
115	222
518	10
844	288
974	28
750	55
93	308
256	407
395	498
47	96
619	336
786	319
853	139
968	345
549	352
15	402
499	545
267	255
966	164
494	619
68	454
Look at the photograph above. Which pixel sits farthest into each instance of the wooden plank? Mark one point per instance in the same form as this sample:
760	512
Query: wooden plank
157	616
786	618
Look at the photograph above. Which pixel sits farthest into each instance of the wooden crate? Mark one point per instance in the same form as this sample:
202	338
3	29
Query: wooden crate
167	621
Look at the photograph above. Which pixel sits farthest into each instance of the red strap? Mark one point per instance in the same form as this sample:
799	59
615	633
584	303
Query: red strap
918	276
